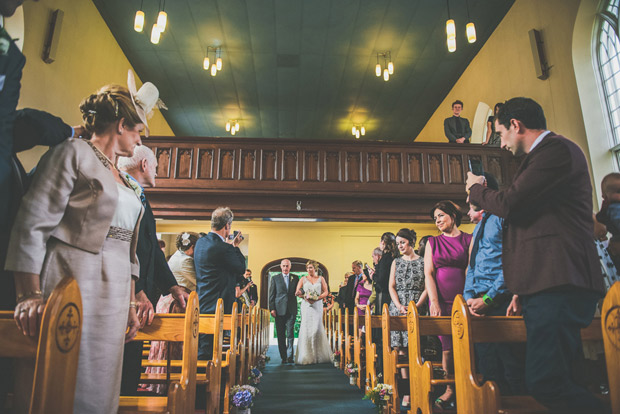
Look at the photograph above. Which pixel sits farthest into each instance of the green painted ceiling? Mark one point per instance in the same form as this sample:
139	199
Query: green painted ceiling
302	68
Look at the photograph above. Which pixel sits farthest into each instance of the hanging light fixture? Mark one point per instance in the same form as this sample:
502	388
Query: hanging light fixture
353	130
155	34
138	22
213	69
470	29
205	63
388	66
450	31
363	130
232	126
358	130
162	17
233	131
228	126
214	64
357	134
237	126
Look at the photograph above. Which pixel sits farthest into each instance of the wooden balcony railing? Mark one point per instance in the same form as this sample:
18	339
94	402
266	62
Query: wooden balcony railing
344	180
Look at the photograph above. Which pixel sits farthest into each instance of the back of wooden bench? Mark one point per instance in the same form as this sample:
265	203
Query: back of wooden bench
610	317
56	350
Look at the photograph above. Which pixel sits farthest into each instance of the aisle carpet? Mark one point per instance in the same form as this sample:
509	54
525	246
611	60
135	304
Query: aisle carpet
307	389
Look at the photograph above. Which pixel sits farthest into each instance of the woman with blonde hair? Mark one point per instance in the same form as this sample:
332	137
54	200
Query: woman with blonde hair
80	218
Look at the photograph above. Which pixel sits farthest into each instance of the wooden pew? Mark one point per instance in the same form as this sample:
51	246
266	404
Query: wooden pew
231	358
391	365
370	322
244	329
471	395
182	394
340	342
55	351
421	379
610	325
359	352
348	338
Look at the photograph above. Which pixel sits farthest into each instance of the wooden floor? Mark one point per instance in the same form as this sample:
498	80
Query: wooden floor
307	389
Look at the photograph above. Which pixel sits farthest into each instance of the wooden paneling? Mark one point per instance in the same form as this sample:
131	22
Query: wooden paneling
163	162
248	164
332	166
289	166
205	163
184	163
333	180
268	166
312	167
354	167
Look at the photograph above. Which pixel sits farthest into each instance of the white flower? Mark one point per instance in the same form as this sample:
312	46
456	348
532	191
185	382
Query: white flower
185	239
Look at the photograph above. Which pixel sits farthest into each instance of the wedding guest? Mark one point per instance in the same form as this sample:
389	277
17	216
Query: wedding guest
492	139
100	251
181	264
406	285
362	293
387	244
445	261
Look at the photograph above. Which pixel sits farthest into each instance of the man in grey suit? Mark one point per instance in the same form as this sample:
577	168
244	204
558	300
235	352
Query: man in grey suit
456	128
283	307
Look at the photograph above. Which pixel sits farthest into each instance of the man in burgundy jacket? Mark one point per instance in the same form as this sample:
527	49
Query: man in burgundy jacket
549	257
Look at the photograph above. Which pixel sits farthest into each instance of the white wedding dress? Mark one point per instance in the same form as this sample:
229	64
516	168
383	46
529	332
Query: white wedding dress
312	344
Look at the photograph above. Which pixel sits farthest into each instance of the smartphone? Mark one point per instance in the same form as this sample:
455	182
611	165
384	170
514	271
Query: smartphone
475	166
233	235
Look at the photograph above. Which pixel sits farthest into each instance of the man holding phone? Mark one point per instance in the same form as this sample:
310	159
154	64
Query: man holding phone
218	262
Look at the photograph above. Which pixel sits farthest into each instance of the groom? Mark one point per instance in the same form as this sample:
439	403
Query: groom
283	307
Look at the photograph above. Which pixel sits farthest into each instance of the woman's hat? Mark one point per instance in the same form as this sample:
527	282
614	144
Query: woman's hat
144	100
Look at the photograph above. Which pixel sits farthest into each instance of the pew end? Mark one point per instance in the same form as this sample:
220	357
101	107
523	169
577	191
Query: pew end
610	325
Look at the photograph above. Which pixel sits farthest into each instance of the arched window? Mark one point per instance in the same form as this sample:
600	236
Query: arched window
608	54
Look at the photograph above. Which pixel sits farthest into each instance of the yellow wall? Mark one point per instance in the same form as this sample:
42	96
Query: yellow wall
334	244
88	57
504	68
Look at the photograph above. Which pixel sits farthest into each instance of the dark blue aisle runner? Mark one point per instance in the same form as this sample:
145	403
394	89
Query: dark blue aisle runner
307	389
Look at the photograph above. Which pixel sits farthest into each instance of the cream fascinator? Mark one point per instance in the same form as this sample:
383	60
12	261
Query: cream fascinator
144	100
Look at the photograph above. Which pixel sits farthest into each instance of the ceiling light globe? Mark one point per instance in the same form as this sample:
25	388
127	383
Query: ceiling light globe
391	68
353	130
162	19
357	135
155	34
138	23
471	32
227	126
205	63
378	70
452	45
450	28
213	70
237	126
386	75
218	63
233	131
363	130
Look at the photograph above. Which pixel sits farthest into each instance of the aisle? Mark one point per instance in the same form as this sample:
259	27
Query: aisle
307	389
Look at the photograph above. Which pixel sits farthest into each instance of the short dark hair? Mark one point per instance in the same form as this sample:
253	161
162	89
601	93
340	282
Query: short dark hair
526	110
408	234
162	244
450	208
458	102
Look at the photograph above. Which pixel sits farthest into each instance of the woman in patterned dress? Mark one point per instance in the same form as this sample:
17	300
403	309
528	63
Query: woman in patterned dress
406	285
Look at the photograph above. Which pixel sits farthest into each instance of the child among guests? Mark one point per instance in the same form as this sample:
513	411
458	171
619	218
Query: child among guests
610	213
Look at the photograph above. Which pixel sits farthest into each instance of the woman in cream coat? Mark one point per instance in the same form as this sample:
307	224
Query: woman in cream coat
80	217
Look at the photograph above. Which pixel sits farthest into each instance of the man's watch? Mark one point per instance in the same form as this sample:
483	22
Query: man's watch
487	300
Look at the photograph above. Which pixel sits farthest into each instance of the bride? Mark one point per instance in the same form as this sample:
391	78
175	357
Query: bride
312	345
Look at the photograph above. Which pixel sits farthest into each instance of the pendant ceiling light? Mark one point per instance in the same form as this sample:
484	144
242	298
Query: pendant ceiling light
388	66
470	29
450	31
138	22
162	17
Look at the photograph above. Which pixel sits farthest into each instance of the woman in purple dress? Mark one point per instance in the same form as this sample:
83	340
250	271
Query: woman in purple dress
363	292
445	260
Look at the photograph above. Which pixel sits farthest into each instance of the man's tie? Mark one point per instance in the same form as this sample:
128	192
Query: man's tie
459	126
476	245
286	281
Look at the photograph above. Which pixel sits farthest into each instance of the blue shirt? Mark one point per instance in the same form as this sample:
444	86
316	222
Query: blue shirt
487	275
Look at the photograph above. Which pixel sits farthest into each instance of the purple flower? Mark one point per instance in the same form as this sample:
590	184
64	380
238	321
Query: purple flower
242	399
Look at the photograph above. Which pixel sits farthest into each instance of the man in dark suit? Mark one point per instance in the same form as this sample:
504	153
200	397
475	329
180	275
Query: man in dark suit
283	307
219	262
155	275
549	258
456	128
252	291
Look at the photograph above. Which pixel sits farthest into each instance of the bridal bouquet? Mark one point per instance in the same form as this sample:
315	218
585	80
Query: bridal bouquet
242	396
255	376
379	395
311	296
